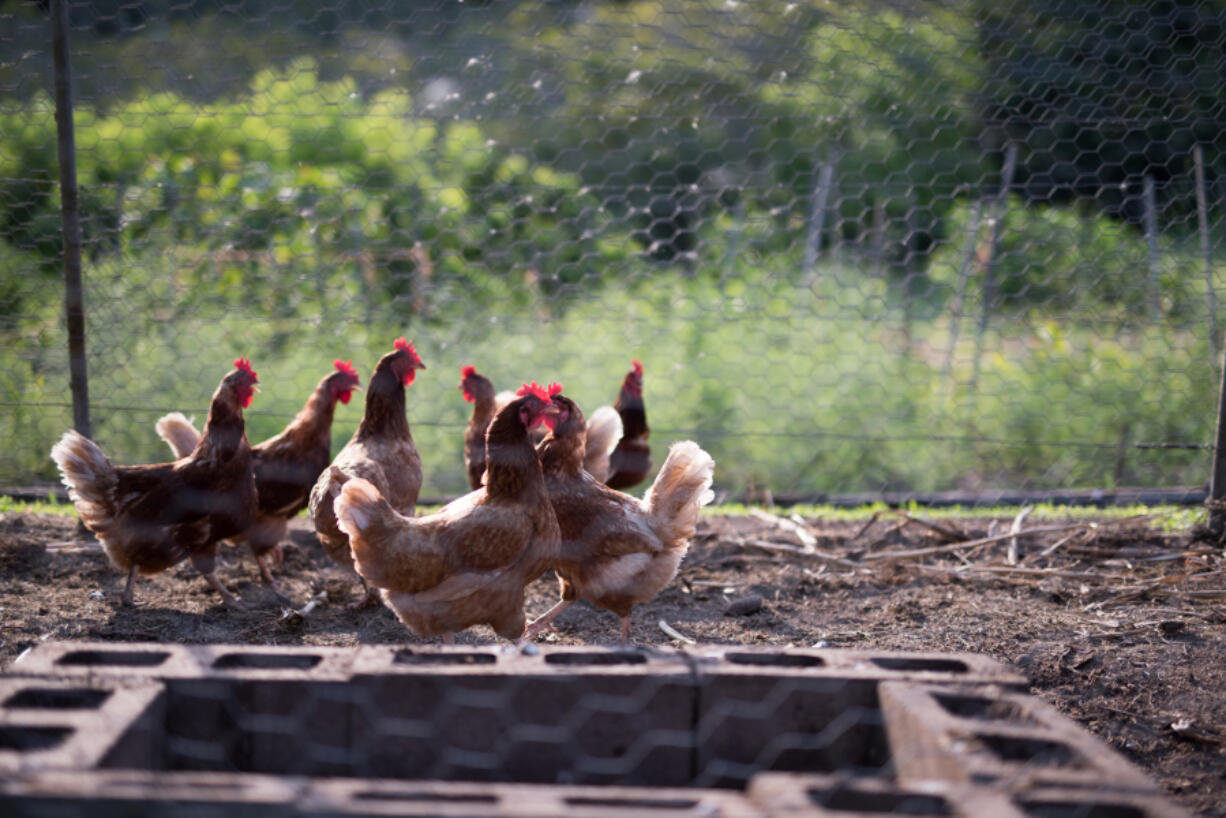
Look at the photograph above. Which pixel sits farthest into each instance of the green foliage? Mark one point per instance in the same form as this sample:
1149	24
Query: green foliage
1057	259
326	185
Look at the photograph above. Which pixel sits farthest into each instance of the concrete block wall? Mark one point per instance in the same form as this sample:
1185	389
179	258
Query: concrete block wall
381	730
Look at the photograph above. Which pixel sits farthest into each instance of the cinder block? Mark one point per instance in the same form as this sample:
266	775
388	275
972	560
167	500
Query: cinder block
1100	803
124	793
842	796
845	796
525	719
504	660
990	735
949	668
421	798
131	659
71	724
497	731
746	724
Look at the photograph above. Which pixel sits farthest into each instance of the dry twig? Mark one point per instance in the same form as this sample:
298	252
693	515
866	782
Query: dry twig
801	532
1014	530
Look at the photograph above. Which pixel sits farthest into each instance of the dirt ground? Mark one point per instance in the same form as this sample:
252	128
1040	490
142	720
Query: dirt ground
1118	625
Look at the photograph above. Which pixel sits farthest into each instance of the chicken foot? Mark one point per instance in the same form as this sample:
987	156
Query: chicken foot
627	640
266	575
545	621
370	597
206	565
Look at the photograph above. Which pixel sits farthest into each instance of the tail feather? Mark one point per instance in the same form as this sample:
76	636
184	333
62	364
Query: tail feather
178	432
604	430
381	540
682	487
90	478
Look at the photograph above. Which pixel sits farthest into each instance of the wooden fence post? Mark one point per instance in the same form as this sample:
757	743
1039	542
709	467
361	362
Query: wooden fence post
817	216
964	274
1202	209
1000	209
1151	237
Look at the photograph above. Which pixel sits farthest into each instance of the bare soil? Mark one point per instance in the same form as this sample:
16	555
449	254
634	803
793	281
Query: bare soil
1120	626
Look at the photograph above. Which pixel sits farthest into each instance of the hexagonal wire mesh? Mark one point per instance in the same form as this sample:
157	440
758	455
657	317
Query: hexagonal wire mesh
887	246
489	732
858	247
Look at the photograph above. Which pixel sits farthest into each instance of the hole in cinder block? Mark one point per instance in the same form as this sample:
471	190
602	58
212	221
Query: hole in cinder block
632	803
919	663
449	798
904	803
22	739
458	723
51	698
117	658
775	659
1030	750
1075	809
983	709
613	657
411	657
267	661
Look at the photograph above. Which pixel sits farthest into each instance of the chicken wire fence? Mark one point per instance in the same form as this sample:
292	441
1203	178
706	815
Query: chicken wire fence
904	246
584	733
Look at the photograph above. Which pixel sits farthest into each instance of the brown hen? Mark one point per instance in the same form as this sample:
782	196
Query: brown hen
381	452
152	517
469	563
618	551
286	466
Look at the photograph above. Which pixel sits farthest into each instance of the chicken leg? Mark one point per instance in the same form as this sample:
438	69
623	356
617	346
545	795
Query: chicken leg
126	596
545	621
206	564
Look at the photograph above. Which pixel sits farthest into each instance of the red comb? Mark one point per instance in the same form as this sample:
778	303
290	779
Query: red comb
406	346
554	388
345	366
244	365
468	370
638	367
534	389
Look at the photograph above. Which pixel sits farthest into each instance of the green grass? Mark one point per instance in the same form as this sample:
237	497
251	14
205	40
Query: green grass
1170	519
49	506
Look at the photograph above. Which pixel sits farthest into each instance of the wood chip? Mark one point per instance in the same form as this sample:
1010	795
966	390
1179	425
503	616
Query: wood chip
801	532
673	633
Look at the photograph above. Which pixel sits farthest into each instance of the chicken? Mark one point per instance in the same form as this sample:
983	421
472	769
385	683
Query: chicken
604	430
479	391
631	460
286	466
604	433
152	517
468	564
381	452
616	550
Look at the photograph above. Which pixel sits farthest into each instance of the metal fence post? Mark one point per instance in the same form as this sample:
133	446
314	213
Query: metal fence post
1217	481
74	300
